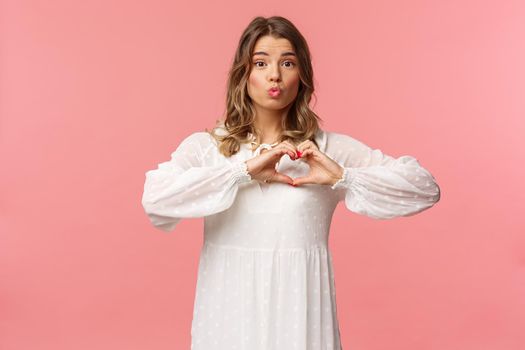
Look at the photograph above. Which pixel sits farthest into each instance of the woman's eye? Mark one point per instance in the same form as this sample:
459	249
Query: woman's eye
292	63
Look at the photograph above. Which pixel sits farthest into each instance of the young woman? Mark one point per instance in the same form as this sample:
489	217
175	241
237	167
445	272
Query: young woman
267	180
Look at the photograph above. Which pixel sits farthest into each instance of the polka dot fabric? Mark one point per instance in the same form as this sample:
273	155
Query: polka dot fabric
265	278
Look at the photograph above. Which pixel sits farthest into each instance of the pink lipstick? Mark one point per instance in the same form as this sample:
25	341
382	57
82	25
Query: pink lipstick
274	92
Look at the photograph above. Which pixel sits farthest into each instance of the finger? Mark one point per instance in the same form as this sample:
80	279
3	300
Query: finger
287	142
278	177
308	144
302	143
308	152
291	144
276	153
287	146
298	181
288	150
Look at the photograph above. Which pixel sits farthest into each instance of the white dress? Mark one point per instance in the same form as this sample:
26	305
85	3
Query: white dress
265	278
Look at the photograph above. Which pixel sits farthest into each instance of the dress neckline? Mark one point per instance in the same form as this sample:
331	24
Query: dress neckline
320	137
260	146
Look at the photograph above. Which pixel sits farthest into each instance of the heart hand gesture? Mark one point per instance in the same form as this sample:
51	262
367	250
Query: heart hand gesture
263	167
323	169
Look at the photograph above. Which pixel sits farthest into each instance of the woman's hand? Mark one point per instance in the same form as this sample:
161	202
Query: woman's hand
263	166
323	169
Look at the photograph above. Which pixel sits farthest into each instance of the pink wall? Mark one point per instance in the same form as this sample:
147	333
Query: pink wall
95	93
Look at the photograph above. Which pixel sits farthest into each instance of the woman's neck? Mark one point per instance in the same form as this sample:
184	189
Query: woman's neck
268	128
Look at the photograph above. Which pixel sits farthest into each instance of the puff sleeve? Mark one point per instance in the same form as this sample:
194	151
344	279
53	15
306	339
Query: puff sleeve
378	185
186	186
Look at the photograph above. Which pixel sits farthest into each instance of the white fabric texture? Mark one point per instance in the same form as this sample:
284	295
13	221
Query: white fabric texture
265	278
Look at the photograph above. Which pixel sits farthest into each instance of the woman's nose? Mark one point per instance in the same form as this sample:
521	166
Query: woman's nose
275	73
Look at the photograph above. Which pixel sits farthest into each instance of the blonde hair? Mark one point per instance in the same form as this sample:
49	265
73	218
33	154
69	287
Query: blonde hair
301	123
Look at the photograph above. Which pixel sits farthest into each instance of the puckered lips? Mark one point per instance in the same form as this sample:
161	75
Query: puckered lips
274	91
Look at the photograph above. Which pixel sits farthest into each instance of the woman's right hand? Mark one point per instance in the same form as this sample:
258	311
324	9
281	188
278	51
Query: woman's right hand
262	167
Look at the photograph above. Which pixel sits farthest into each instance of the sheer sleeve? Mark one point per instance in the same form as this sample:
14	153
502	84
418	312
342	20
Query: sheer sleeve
378	185
186	186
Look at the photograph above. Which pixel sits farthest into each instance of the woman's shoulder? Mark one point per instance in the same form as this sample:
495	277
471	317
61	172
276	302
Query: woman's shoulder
200	137
334	135
328	139
335	138
198	142
321	138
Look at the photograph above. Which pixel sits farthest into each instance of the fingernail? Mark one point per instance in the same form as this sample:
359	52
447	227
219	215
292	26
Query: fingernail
299	154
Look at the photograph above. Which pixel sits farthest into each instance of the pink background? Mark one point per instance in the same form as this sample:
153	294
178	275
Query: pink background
95	93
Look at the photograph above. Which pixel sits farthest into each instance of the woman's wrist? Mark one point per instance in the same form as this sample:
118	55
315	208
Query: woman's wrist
248	167
240	172
338	177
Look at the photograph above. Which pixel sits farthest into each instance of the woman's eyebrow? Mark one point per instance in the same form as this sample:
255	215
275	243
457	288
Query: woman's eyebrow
287	53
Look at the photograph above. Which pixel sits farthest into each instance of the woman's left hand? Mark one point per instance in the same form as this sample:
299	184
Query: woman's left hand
323	169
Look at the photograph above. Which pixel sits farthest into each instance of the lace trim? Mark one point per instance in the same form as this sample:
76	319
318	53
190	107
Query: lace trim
240	172
345	180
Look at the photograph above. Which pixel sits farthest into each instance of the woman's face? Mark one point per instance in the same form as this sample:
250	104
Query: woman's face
274	64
